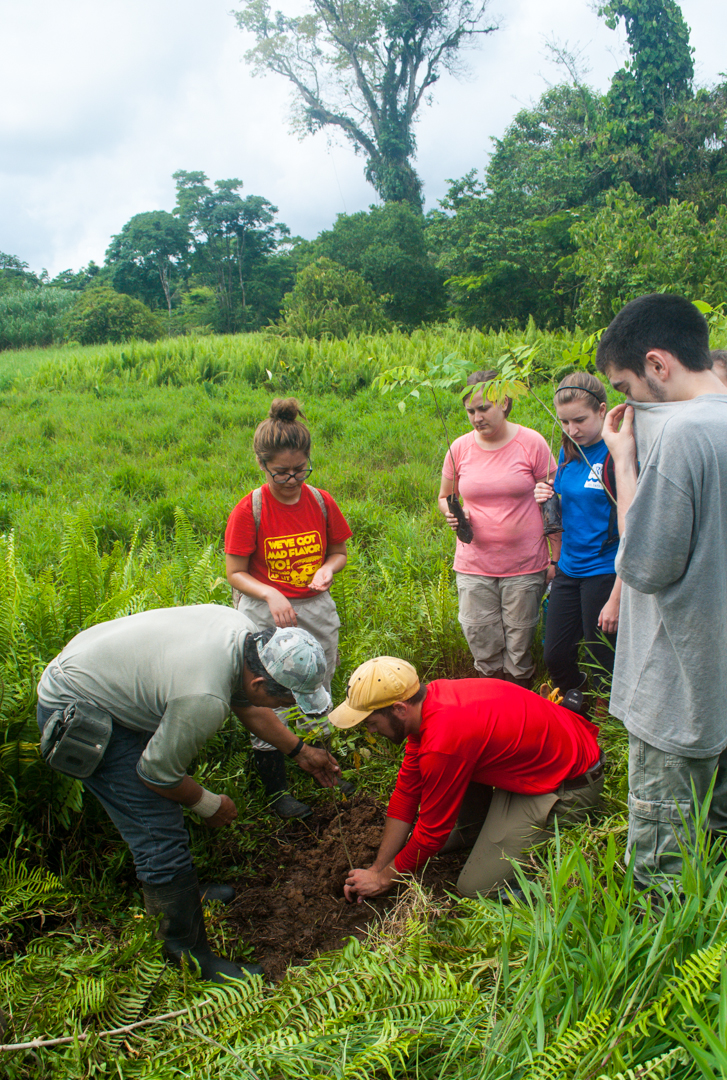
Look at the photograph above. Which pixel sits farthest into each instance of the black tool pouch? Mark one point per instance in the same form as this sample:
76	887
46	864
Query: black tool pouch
75	739
552	517
464	529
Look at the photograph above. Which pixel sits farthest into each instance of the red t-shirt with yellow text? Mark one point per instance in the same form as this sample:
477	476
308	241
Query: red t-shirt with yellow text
291	543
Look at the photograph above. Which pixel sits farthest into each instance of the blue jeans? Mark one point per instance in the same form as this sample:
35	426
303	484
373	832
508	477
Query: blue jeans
660	795
151	825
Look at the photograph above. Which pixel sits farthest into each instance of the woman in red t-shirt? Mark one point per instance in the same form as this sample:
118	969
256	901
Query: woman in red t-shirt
283	544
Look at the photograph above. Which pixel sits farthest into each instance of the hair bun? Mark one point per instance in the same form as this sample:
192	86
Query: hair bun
286	409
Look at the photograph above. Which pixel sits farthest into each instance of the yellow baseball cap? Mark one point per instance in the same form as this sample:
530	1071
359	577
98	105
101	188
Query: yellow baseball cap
374	685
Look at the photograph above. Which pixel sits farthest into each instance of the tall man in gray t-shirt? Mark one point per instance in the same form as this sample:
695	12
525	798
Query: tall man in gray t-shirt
670	674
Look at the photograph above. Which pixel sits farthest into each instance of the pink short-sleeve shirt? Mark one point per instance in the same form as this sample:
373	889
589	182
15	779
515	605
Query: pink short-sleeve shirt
497	488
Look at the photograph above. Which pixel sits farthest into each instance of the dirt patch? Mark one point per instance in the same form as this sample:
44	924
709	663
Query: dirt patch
294	907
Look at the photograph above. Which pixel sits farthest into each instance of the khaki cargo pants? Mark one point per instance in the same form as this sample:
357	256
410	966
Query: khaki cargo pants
499	617
317	615
513	823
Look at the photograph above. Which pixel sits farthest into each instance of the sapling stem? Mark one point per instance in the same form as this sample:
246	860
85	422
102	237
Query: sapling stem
338	812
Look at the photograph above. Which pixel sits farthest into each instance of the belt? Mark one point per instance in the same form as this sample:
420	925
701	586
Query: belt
589	777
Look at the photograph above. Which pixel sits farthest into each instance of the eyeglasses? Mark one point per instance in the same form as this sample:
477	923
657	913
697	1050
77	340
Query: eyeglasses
282	477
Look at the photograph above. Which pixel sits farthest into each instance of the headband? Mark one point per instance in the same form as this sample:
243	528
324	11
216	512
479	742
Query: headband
585	391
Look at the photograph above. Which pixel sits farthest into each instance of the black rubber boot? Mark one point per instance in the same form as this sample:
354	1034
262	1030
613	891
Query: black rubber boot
270	765
181	928
215	890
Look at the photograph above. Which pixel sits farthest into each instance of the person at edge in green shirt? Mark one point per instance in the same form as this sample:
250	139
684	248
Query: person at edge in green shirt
166	681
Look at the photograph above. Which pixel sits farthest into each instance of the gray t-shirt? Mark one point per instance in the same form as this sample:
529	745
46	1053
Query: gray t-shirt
172	671
670	674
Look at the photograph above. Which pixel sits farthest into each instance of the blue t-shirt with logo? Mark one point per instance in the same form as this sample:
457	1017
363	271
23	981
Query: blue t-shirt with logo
586	513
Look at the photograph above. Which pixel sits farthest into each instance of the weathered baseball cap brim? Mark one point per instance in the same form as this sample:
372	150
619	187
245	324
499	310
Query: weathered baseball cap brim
346	717
317	703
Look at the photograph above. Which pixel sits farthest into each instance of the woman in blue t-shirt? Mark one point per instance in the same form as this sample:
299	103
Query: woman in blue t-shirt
586	593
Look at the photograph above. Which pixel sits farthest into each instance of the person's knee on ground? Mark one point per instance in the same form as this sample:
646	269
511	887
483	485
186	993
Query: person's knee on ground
471	817
513	824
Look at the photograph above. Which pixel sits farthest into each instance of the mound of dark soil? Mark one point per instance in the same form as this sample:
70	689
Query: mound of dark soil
294	907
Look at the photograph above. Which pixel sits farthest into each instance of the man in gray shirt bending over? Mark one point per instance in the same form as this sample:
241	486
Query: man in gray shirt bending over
670	674
167	680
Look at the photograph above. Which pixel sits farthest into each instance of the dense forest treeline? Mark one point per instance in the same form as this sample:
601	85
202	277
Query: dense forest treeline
587	200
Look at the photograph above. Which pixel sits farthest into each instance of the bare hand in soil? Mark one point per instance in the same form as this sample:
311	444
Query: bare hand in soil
361	883
321	764
227	812
281	609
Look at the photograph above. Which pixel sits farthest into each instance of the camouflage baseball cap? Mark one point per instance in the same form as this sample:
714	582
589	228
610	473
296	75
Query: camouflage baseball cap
296	660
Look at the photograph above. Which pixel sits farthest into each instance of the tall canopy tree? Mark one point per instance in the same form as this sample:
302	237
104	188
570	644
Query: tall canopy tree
502	242
14	274
365	68
507	244
154	244
235	240
387	246
660	68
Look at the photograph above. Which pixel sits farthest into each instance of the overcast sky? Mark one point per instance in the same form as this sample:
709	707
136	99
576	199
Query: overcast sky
102	100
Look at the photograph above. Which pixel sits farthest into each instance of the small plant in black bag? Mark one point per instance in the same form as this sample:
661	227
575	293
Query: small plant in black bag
464	529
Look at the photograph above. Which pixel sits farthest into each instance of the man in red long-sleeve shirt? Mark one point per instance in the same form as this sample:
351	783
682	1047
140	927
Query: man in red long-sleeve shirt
482	756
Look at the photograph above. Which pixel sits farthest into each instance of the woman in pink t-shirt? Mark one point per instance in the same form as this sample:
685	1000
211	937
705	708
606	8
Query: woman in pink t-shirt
502	574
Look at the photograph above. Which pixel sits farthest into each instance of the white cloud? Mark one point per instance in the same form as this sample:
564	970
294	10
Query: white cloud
102	101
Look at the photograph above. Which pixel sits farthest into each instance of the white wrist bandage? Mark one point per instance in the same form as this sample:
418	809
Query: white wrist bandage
208	805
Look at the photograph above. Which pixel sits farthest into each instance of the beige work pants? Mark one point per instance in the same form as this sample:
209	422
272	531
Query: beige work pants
512	824
317	615
499	617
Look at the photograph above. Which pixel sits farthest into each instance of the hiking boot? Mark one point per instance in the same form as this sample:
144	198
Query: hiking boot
182	929
270	765
573	700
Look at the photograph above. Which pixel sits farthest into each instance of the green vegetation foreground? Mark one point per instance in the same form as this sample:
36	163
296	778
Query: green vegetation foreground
120	468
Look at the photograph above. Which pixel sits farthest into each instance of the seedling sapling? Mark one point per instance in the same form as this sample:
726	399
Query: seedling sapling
516	367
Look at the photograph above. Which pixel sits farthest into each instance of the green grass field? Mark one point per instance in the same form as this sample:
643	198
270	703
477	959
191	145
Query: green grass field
120	466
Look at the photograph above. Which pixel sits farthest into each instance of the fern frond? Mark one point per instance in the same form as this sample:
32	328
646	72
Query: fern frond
564	1055
657	1068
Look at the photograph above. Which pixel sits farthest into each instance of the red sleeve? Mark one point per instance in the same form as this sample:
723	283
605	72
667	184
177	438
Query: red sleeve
444	781
404	801
337	529
241	534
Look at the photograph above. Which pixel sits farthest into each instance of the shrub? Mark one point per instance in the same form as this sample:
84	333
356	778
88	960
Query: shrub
33	316
329	301
102	315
